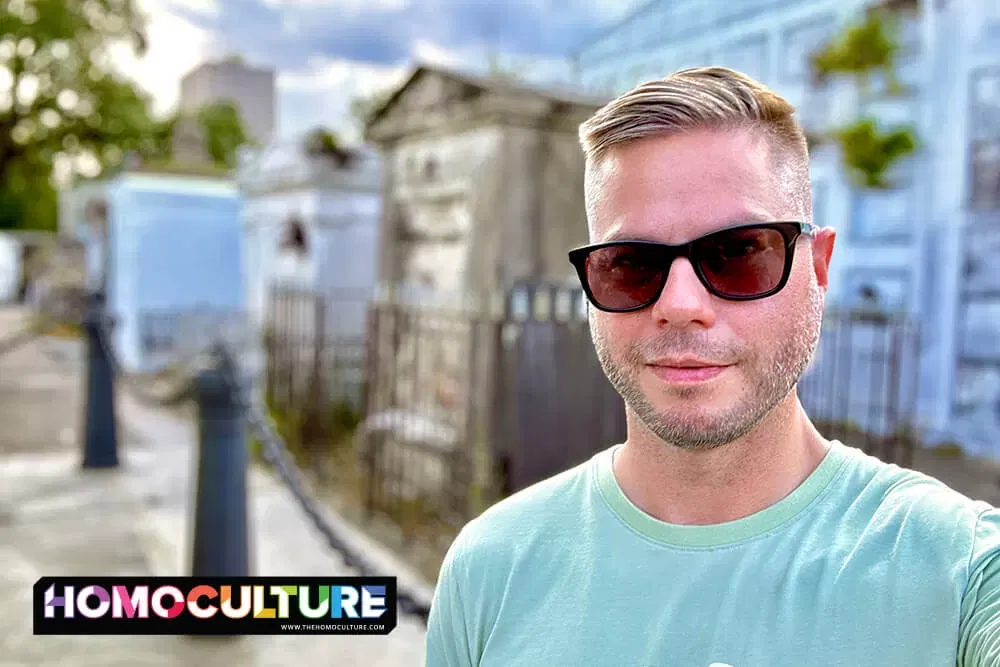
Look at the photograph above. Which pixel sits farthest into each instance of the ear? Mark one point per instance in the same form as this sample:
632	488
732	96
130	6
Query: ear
822	252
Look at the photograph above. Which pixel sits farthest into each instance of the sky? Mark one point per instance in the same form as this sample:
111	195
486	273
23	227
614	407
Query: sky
326	52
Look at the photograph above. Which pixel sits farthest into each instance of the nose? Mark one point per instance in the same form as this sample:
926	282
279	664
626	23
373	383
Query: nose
684	301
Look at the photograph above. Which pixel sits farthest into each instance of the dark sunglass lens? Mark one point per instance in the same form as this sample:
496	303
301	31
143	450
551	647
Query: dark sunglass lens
623	277
743	262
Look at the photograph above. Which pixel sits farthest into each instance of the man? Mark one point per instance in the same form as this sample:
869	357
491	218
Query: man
726	531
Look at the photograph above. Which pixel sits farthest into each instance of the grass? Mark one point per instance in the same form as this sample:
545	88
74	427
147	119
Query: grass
409	527
63	331
905	436
949	450
172	168
60	330
412	528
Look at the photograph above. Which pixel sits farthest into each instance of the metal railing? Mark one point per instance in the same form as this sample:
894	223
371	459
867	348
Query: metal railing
862	385
466	403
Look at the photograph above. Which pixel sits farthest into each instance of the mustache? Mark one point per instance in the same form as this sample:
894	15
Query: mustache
679	344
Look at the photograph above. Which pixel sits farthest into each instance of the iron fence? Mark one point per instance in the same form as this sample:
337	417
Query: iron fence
166	334
465	404
462	406
862	385
423	409
552	406
311	356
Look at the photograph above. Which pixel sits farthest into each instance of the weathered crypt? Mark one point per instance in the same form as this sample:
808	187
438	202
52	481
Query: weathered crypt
482	182
482	190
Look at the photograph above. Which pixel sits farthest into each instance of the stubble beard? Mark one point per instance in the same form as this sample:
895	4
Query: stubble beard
769	376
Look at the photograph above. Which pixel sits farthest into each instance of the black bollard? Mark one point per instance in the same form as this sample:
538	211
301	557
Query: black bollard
100	430
220	545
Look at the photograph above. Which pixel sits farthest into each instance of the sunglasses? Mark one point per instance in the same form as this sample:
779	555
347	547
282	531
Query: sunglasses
739	263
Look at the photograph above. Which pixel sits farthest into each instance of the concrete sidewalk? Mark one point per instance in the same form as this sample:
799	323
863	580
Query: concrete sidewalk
56	519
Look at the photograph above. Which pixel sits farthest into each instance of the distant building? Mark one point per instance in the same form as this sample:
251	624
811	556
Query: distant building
166	247
310	235
189	143
310	222
251	89
927	247
482	190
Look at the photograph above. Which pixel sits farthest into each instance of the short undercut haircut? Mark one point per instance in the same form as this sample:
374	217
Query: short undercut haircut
705	98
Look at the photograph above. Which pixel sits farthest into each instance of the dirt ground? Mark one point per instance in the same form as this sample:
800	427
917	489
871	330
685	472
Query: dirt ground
976	478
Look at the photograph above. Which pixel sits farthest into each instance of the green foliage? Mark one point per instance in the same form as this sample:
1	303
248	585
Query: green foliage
325	143
869	153
908	436
64	100
864	49
27	197
65	103
170	166
949	450
344	419
159	146
322	140
224	132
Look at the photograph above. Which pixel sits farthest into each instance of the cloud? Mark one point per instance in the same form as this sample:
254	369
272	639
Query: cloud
286	33
431	54
176	45
325	52
321	92
343	5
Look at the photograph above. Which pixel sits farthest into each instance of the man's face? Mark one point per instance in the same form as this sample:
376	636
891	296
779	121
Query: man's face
672	190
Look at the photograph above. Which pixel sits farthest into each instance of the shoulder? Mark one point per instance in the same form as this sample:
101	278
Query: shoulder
530	519
540	508
915	506
502	544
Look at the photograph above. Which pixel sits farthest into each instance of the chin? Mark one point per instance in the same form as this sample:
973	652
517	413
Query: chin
706	403
700	415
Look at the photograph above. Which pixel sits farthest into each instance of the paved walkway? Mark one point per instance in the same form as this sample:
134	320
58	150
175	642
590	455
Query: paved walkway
56	519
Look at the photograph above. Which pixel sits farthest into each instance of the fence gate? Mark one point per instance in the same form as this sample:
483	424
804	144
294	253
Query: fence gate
554	407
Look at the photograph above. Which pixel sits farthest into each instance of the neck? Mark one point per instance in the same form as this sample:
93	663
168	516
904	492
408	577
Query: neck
723	484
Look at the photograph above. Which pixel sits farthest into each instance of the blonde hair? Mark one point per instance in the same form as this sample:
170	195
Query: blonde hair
705	98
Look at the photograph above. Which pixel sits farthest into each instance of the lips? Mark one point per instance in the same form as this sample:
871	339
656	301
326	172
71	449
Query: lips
686	362
686	370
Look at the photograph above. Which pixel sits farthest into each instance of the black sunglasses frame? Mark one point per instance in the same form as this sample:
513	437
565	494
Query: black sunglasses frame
790	231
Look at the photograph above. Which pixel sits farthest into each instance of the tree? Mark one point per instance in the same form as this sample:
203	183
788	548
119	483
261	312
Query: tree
159	147
321	142
27	196
865	49
224	132
221	130
60	100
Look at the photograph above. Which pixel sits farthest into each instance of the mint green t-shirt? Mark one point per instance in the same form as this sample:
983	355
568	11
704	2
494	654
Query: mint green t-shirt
864	564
